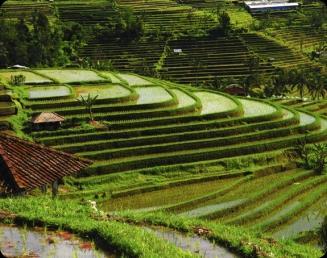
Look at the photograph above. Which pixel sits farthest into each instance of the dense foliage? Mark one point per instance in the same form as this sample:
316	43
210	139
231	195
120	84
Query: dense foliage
40	44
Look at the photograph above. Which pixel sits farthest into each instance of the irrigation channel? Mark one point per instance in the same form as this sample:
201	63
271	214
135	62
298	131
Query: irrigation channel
193	243
20	242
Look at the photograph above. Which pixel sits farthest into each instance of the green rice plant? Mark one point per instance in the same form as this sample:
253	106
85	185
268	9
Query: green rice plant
307	200
277	202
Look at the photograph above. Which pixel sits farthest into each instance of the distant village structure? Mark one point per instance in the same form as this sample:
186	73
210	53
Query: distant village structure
270	6
25	166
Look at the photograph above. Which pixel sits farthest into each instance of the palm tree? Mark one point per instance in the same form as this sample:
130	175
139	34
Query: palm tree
279	82
88	103
298	79
320	86
317	85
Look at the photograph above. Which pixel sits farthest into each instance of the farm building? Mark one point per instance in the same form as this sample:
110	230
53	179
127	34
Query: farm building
26	165
47	120
267	6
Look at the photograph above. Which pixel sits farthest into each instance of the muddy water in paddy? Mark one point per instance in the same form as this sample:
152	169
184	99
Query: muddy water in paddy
310	220
193	243
41	243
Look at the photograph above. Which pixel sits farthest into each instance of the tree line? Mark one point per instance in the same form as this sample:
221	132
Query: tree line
304	81
37	41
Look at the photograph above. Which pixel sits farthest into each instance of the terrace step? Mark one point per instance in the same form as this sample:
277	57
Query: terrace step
125	139
183	157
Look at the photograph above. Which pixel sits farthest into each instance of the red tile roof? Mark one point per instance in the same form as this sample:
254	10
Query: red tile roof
28	165
47	117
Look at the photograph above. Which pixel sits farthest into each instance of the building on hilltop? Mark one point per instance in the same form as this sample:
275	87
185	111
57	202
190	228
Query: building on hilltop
25	166
267	6
47	120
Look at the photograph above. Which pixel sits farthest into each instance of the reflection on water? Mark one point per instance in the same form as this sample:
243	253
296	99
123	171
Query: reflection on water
201	211
311	220
194	244
40	243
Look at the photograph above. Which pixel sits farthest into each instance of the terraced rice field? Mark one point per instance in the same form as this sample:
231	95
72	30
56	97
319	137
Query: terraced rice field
164	197
223	160
255	108
152	95
102	91
214	103
71	76
196	153
30	78
48	92
113	78
133	80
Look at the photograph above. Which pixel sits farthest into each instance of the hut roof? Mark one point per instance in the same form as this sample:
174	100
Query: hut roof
26	165
47	117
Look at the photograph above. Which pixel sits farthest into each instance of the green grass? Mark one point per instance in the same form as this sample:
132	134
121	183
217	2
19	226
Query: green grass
248	243
31	78
48	92
126	240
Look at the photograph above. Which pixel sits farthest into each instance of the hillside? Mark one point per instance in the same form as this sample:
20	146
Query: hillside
163	146
206	125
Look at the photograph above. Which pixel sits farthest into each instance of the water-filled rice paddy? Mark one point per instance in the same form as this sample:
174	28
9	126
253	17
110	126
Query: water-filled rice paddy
103	91
155	94
184	99
242	192
308	221
112	77
48	92
306	119
193	243
30	78
201	211
214	103
71	75
133	80
41	243
256	108
287	114
166	196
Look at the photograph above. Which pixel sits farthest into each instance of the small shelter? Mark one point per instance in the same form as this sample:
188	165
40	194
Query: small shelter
264	6
17	66
47	120
235	89
25	165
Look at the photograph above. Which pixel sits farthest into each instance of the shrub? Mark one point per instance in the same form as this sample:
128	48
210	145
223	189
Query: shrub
17	80
313	157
